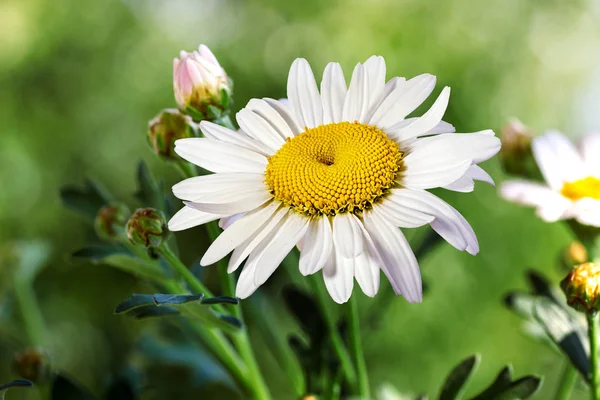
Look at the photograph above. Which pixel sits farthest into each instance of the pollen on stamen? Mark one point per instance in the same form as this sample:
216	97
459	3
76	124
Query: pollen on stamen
334	168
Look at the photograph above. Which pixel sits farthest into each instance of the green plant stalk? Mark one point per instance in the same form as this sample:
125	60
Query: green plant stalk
336	340
33	319
357	350
592	321
240	339
567	382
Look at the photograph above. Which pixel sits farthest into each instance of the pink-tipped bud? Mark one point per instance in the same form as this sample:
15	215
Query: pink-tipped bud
202	88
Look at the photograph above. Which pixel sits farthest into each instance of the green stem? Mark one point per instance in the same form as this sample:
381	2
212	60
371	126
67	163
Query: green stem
30	312
357	350
240	339
592	321
187	170
334	334
567	382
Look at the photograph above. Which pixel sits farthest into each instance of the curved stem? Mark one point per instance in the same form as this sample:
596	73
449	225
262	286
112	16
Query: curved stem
592	320
357	350
334	335
567	382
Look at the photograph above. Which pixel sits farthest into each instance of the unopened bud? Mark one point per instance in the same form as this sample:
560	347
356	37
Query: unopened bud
582	287
515	154
202	88
574	254
33	365
147	227
167	127
110	221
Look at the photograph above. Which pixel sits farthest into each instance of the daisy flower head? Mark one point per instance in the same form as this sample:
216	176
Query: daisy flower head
572	180
336	174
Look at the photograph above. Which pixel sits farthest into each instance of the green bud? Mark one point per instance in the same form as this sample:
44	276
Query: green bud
110	221
167	127
147	227
582	287
34	365
515	155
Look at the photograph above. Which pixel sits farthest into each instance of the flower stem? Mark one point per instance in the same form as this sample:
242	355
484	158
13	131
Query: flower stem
567	382
334	334
240	339
357	350
592	321
30	312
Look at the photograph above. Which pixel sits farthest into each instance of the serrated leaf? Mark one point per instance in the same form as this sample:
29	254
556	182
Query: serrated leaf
65	389
458	377
174	299
521	389
501	383
86	200
565	332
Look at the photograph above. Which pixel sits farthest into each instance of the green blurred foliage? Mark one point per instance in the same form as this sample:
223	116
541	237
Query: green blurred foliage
79	81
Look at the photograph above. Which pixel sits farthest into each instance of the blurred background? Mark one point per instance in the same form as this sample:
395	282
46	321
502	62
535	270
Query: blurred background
79	81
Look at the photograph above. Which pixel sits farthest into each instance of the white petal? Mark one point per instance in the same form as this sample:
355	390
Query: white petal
238	233
218	132
226	222
218	156
245	284
477	173
347	235
399	215
333	93
227	203
589	147
375	70
466	183
367	266
195	188
442	127
448	222
558	159
272	116
403	100
586	211
283	108
338	275
551	206
260	129
303	95
391	85
316	246
188	218
426	123
356	104
242	251
399	262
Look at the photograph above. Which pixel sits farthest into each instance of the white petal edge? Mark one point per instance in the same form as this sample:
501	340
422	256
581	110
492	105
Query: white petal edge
187	218
219	156
317	246
303	94
333	93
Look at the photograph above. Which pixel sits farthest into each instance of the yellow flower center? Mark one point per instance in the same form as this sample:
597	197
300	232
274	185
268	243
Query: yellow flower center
334	168
586	187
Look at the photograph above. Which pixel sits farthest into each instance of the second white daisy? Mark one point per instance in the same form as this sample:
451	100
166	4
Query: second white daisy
336	174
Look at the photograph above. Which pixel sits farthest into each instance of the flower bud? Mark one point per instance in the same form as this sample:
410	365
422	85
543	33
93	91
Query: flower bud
110	221
147	227
33	365
582	287
574	254
167	127
515	155
202	88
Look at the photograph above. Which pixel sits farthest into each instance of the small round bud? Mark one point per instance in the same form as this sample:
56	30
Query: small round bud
574	254
582	287
33	365
147	227
167	127
202	88
515	154
110	221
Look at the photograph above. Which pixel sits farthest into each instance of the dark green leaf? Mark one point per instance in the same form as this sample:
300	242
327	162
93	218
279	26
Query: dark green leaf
501	383
233	321
150	192
16	383
152	311
87	200
564	331
541	286
98	253
173	299
65	389
221	300
134	301
306	311
521	389
458	377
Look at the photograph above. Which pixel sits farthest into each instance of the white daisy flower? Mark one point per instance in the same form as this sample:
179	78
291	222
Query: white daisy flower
572	176
336	174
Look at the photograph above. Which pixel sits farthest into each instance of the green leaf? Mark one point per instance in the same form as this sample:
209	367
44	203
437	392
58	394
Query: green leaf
151	311
174	299
520	303
307	313
119	257
150	192
458	377
565	332
15	384
135	301
521	389
501	383
87	200
98	253
65	389
542	287
221	300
